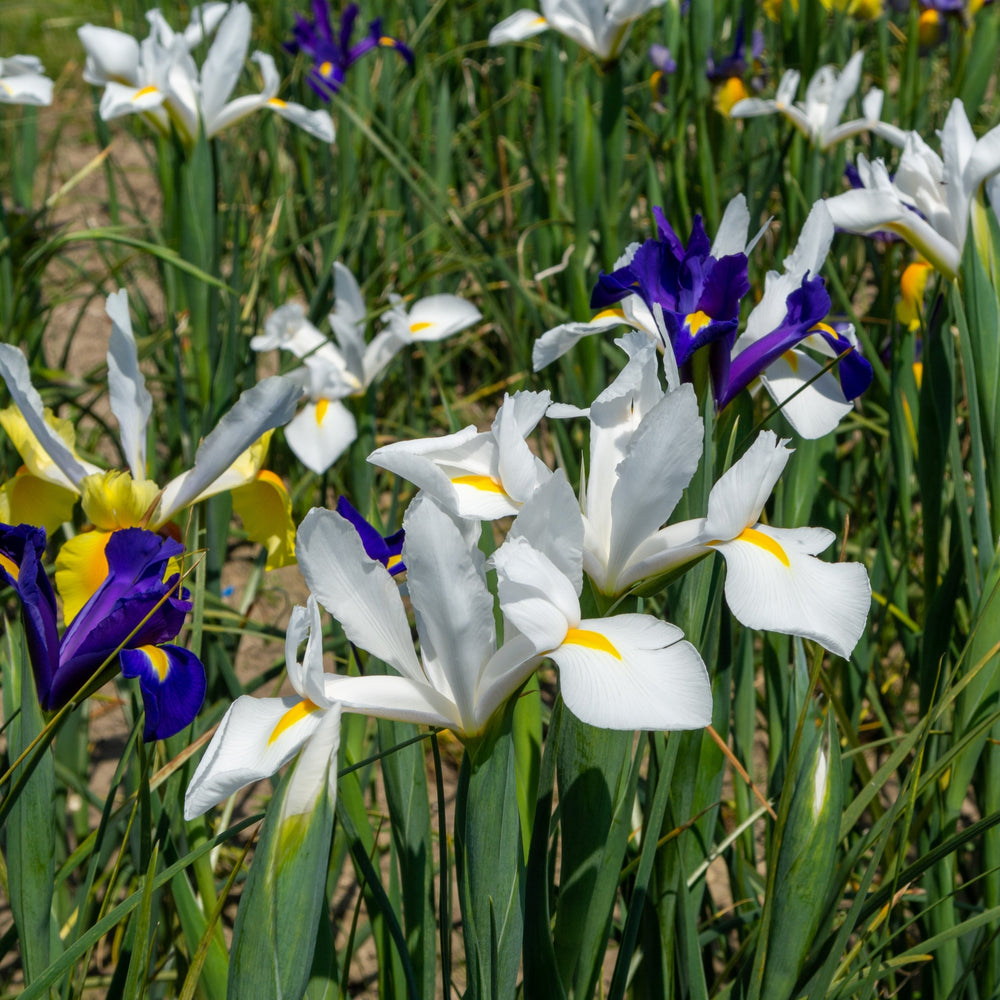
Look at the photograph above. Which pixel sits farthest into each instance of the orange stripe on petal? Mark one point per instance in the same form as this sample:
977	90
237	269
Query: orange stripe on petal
591	640
294	715
144	92
322	405
417	327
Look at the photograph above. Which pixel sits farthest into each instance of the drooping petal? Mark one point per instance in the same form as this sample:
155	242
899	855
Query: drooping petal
357	590
172	681
111	55
321	433
439	316
522	24
556	342
265	508
27	499
131	402
633	672
257	736
774	582
812	403
390	697
81	568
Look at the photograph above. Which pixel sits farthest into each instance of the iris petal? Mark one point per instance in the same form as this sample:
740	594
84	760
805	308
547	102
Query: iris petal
172	681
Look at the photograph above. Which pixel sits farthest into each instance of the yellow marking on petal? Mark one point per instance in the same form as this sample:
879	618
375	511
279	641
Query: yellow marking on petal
918	372
417	327
390	563
81	568
762	541
654	81
325	68
592	640
144	92
791	359
277	102
696	321
824	328
158	659
387	43
295	714
539	20
609	313
729	93
8	564
485	484
322	405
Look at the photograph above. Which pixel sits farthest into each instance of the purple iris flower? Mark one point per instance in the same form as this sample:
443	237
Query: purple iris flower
735	63
699	294
806	308
386	549
134	612
332	52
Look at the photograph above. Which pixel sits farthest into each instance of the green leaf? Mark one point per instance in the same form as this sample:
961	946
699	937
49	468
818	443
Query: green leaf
30	826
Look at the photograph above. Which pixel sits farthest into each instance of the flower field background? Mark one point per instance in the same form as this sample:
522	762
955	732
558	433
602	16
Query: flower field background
500	503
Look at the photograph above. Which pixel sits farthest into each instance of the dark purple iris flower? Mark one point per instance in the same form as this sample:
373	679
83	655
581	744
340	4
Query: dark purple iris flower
386	549
735	64
806	309
699	294
132	614
331	52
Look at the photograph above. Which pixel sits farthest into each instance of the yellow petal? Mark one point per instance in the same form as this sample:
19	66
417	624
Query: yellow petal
27	499
265	508
113	500
33	455
81	567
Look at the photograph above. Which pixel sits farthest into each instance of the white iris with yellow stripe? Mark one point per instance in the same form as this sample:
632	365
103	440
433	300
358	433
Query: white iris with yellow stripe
331	372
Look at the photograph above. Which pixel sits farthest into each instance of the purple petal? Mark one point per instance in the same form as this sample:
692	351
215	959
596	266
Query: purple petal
172	682
21	550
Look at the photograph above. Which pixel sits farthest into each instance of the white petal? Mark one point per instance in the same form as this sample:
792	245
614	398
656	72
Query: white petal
306	677
739	496
389	697
118	100
439	316
268	404
818	407
551	523
656	681
659	462
556	342
25	88
111	55
451	604
225	61
256	737
520	25
131	402
288	329
319	436
14	371
731	236
799	594
535	596
356	589
752	107
315	121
